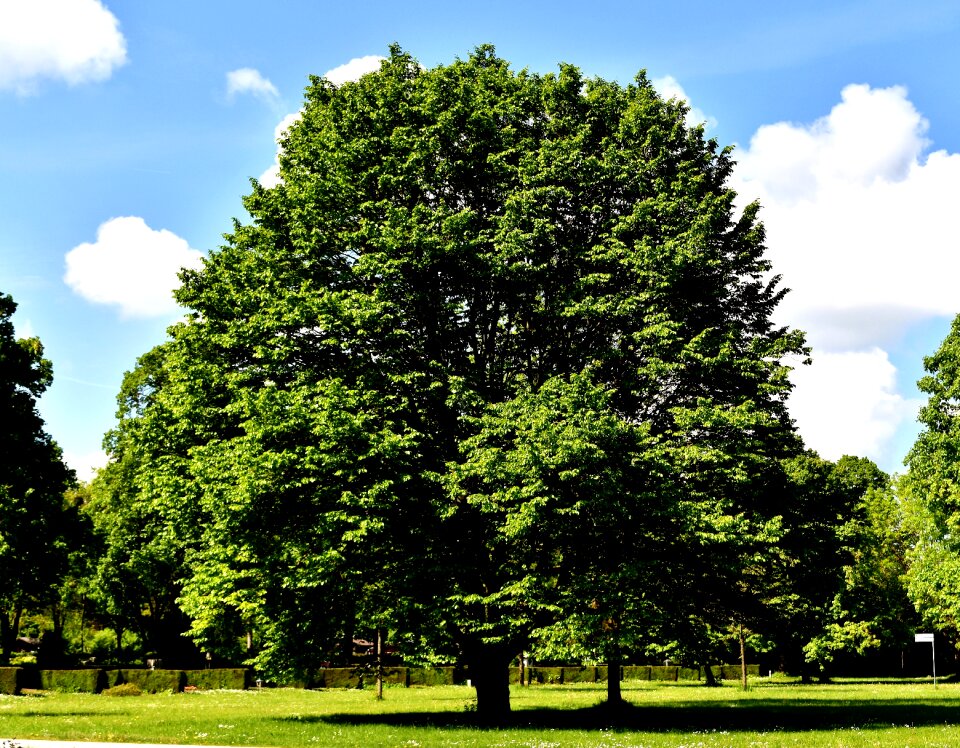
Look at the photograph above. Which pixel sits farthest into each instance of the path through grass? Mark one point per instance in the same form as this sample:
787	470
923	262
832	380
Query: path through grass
769	714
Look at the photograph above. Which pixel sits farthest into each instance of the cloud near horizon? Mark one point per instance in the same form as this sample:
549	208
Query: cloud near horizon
76	41
859	221
130	266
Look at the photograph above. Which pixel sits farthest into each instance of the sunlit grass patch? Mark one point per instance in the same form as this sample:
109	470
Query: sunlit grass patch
768	714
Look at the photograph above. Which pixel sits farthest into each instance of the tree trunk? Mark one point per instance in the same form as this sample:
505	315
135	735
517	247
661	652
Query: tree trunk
614	673
379	663
743	659
709	677
490	675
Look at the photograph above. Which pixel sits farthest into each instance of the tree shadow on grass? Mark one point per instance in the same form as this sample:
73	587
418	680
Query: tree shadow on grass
794	715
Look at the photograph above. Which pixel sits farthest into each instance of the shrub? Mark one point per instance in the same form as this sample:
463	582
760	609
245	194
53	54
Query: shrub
579	675
430	676
664	672
217	678
154	681
636	672
70	681
124	689
10	681
339	677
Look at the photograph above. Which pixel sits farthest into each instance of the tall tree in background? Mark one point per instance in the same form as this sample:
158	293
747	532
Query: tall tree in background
34	521
931	489
492	328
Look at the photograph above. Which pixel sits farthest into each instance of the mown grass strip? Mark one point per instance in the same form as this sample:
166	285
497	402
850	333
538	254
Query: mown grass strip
857	714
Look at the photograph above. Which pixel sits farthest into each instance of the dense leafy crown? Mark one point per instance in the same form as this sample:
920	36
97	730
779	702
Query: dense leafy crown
484	314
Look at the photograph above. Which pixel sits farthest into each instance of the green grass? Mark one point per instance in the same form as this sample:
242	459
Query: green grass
769	714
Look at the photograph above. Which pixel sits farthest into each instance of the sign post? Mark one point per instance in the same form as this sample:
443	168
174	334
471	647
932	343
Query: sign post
919	638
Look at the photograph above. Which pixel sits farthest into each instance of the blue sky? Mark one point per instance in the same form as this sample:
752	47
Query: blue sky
129	132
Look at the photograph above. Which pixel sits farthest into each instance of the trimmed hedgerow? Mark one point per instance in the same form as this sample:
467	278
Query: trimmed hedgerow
663	672
10	681
587	674
340	677
235	679
431	676
688	673
154	681
70	681
636	672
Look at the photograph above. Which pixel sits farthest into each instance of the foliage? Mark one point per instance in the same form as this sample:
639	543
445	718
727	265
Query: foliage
494	360
124	689
36	528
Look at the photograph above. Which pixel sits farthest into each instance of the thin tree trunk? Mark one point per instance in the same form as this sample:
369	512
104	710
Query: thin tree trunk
379	664
743	659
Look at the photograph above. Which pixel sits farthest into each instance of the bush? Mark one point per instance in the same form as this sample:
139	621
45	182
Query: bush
430	676
235	679
339	677
70	681
154	681
579	675
636	672
664	672
10	681
124	689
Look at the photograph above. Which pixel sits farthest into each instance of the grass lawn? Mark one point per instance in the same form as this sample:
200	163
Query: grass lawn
769	714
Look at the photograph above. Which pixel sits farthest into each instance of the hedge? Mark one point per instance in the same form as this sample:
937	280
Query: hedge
635	672
71	681
234	679
154	681
10	680
431	676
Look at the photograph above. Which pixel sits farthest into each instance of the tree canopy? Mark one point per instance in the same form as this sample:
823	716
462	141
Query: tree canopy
493	364
34	534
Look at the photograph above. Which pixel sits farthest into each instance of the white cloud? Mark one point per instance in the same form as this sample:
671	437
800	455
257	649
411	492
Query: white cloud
847	403
130	265
353	70
250	81
271	177
71	40
860	223
669	88
86	464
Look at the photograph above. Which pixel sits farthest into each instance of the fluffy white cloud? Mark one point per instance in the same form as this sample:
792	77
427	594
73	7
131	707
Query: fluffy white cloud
860	223
847	403
271	177
87	464
669	88
350	71
353	70
250	81
71	40
132	266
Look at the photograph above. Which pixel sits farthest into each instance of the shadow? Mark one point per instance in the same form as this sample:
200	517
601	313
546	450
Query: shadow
794	715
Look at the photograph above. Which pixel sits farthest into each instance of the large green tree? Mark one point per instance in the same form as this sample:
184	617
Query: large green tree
931	489
494	354
34	522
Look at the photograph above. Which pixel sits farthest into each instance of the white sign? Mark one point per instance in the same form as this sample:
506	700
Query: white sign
924	638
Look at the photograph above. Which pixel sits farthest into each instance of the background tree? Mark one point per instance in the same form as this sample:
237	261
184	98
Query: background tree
481	306
931	489
34	525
